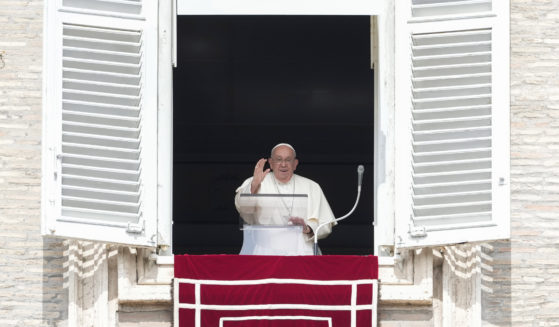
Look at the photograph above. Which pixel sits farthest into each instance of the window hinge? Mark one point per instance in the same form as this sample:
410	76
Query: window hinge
56	160
135	228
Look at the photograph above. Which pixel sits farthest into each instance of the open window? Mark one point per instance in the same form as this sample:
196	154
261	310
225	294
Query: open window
440	104
246	83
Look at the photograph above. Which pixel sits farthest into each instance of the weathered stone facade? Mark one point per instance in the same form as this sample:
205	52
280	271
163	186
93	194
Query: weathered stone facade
534	163
31	286
519	281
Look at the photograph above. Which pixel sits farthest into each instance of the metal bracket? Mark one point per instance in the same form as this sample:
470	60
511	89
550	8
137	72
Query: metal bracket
417	231
136	228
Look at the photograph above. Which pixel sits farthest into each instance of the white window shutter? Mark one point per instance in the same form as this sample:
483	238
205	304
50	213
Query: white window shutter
452	122
100	121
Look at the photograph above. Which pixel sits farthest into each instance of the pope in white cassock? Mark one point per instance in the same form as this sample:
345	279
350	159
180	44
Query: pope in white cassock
298	235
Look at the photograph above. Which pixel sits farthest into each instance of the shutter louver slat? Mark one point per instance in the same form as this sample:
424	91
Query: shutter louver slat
75	207
105	130
447	70
93	216
457	133
432	147
457	197
101	151
99	140
422	212
101	108
465	154
101	122
100	55
101	34
132	7
109	173
95	87
468	60
100	119
438	81
97	161
450	124
478	219
85	192
102	66
462	48
427	8
447	39
450	112
438	178
97	97
450	188
75	200
100	183
434	93
474	100
94	76
458	165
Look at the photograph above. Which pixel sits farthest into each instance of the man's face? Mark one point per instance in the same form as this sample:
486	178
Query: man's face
283	163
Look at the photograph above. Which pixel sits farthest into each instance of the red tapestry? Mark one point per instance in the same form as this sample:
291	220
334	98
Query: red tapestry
275	291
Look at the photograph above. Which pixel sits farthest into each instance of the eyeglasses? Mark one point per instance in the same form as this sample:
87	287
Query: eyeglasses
288	161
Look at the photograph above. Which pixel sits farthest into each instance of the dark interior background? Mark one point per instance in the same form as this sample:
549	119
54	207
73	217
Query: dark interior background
246	83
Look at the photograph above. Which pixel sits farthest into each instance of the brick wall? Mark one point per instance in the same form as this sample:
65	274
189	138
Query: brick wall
31	292
535	162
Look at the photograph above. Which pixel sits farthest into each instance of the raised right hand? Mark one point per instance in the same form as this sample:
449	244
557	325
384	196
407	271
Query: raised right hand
258	176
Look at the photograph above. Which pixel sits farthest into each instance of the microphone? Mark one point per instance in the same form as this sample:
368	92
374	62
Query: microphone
360	170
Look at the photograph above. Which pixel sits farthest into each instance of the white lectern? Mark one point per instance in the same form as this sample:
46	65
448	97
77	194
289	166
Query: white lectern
266	226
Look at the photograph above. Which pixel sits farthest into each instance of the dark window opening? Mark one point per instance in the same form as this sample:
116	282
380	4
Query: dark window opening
246	83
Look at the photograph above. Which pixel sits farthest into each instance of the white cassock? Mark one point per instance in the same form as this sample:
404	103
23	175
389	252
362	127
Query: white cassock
283	241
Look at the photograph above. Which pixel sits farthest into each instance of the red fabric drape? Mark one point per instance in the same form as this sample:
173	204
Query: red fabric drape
275	291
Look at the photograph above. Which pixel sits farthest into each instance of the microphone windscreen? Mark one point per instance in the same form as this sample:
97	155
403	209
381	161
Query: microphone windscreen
360	170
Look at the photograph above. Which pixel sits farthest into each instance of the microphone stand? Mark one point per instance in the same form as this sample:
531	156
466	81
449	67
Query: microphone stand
360	170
